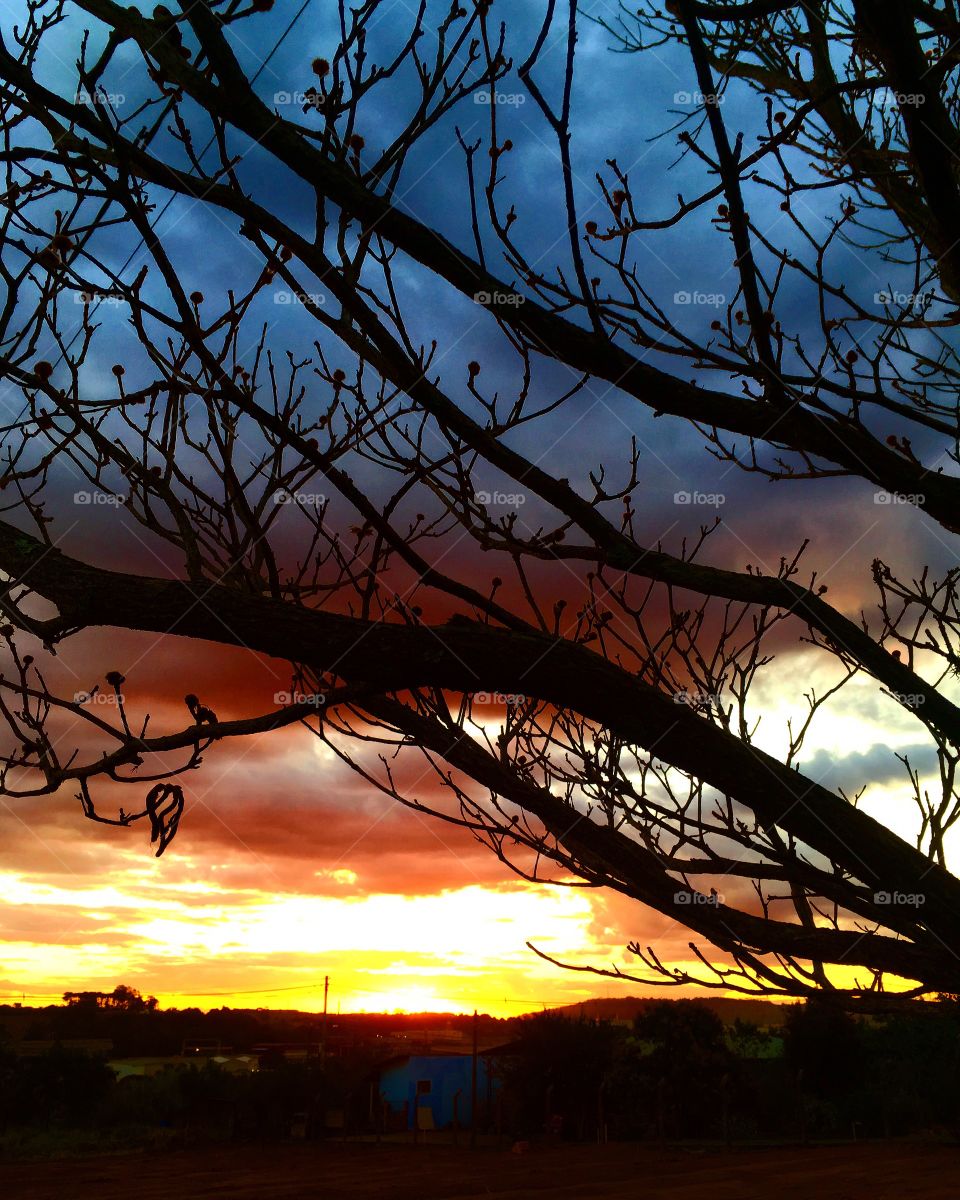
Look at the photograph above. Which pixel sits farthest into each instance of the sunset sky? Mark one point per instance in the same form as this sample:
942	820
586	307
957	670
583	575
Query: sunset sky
288	866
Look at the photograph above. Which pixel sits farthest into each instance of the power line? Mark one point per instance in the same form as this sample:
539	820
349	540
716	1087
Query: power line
300	987
248	992
30	995
554	1002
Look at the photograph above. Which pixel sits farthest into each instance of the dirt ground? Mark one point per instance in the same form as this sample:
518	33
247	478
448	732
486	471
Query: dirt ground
364	1172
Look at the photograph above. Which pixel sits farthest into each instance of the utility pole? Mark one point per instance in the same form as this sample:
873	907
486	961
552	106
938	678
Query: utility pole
326	993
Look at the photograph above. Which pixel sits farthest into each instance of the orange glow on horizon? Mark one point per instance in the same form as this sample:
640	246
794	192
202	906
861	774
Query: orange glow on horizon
200	946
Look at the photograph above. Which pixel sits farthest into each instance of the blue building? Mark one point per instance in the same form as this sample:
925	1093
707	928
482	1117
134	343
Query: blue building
438	1086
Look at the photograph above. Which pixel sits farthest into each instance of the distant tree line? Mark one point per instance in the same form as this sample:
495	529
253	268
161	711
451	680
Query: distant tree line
138	1025
126	998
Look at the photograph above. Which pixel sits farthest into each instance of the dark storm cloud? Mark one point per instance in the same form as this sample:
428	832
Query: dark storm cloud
624	106
877	765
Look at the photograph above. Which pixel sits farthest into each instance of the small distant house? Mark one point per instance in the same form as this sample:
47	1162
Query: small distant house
434	1091
273	1054
145	1065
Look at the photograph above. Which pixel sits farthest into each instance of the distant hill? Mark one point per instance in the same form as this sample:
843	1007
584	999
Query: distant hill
728	1009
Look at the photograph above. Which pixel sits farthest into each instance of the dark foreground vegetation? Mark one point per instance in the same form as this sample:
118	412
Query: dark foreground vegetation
680	1074
677	1074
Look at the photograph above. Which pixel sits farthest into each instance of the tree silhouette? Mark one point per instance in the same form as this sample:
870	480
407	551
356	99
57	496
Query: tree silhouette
379	511
124	998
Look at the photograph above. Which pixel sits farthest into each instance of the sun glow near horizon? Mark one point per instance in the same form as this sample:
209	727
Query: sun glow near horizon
220	926
453	951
